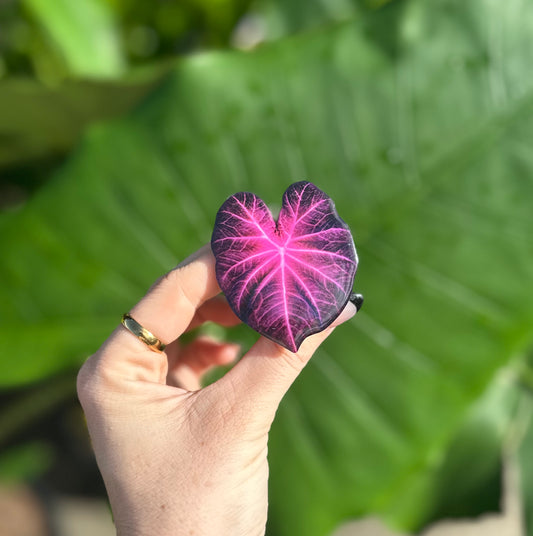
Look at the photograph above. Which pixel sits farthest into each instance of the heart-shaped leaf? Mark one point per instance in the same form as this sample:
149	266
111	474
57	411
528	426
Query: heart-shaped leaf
286	279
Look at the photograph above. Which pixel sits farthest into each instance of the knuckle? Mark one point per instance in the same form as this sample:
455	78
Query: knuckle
85	383
93	383
175	281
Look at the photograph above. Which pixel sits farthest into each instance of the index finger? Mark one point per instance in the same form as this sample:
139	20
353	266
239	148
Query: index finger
171	303
169	306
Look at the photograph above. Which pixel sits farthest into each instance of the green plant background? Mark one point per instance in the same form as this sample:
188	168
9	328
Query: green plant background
414	116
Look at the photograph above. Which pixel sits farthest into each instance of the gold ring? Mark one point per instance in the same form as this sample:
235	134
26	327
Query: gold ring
142	334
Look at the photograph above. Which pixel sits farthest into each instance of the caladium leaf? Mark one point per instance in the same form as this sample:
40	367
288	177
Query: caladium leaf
286	279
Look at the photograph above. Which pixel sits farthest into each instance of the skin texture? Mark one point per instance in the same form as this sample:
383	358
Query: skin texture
177	459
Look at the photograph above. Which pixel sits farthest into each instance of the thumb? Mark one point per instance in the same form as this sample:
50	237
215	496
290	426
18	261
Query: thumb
262	377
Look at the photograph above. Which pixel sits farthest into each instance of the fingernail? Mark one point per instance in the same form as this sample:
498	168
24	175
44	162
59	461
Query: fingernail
347	313
230	352
233	348
357	300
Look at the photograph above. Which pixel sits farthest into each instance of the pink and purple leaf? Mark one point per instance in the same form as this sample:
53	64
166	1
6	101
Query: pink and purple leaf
286	279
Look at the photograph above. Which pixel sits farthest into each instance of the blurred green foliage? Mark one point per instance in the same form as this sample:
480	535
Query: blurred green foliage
414	115
100	38
50	50
520	441
84	34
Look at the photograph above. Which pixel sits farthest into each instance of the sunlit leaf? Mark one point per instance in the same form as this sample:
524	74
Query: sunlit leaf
85	34
287	278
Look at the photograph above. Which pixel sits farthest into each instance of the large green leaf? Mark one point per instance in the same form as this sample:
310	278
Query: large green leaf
423	142
465	480
85	34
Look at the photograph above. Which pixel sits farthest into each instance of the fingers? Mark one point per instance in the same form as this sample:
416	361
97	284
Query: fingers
214	310
266	372
197	358
170	305
166	311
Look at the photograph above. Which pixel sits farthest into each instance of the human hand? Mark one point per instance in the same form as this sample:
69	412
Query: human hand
177	459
